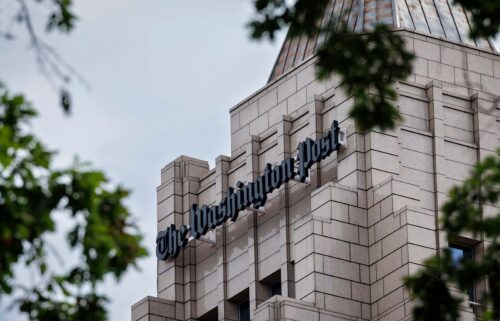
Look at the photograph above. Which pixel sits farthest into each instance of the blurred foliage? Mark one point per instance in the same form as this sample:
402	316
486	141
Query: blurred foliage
468	211
368	64
485	17
61	17
32	193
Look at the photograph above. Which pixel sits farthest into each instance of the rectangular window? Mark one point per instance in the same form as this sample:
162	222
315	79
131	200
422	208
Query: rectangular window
275	289
459	253
244	311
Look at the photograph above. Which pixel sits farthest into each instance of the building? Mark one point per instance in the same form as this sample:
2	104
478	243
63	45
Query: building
335	246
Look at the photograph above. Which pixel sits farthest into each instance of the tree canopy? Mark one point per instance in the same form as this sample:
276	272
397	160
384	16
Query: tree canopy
34	195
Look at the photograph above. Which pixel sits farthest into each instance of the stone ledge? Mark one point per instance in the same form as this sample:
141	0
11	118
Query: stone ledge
153	307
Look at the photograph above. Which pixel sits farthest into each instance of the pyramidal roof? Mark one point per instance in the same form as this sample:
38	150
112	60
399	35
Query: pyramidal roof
439	18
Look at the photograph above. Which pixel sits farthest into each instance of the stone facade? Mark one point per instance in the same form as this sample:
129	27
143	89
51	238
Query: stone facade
340	244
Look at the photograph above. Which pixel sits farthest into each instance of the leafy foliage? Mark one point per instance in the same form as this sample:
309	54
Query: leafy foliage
368	64
485	13
464	213
62	17
31	194
274	15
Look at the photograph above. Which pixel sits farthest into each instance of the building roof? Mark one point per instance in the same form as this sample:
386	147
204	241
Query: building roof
439	18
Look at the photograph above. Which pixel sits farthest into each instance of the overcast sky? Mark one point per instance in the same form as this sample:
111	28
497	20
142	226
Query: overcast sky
163	76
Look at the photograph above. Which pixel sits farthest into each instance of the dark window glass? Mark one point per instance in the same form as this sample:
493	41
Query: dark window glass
459	252
275	289
245	311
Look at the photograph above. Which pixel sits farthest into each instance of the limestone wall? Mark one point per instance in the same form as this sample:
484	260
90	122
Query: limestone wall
341	243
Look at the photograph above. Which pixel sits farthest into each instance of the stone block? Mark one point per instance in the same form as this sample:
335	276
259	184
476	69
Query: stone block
304	247
382	161
490	85
441	72
331	247
291	310
457	58
387	206
427	50
341	231
387	226
394	280
296	101
375	252
360	292
421	236
321	196
359	254
418	254
249	113
374	214
347	166
341	268
382	142
405	189
339	212
467	79
390	301
420	219
363	236
415	160
394	315
488	141
332	285
306	266
305	286
286	89
416	142
344	195
480	64
341	305
496	69
412	106
315	88
377	290
240	138
388	264
420	67
268	101
260	124
151	308
324	212
235	122
358	216
306	76
394	241
276	113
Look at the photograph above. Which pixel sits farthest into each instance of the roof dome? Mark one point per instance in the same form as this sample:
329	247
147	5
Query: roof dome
439	18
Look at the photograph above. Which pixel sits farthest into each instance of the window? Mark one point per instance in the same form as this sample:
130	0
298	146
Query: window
244	311
275	289
459	252
211	315
272	285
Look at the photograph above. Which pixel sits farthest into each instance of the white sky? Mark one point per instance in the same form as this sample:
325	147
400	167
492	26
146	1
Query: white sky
163	76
